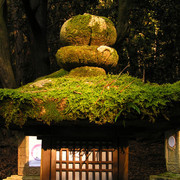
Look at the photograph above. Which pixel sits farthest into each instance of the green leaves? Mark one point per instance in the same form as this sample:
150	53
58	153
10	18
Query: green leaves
128	108
133	106
118	115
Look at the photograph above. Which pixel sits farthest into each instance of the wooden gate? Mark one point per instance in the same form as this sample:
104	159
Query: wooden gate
84	164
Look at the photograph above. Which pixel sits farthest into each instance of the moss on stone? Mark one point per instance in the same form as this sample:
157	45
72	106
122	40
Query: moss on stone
88	29
104	34
75	31
70	57
103	99
165	176
87	71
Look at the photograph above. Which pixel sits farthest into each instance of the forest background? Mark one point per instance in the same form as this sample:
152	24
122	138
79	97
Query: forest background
148	37
148	41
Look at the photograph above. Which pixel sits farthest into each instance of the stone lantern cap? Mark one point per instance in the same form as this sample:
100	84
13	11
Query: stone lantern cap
88	29
86	39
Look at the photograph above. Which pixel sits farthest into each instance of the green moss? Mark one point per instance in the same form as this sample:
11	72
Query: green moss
171	175
16	107
102	99
80	21
50	112
87	71
76	31
105	36
108	21
109	33
166	176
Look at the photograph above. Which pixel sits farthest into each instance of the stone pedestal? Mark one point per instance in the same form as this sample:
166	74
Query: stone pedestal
23	158
172	151
172	155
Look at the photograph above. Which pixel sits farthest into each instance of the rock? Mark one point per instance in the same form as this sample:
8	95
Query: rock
41	83
88	29
85	71
70	57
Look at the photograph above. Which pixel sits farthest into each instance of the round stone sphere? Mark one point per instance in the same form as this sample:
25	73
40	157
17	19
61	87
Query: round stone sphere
70	57
88	29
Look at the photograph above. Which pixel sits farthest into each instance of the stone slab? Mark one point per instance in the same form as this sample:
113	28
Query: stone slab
16	177
165	176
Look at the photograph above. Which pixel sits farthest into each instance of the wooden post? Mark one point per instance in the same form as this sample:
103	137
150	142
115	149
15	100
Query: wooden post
53	164
115	164
48	160
45	173
123	163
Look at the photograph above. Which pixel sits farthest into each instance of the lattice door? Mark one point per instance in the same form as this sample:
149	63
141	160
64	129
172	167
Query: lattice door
81	164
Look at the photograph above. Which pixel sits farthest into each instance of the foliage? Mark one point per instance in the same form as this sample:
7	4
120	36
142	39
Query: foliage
102	99
152	41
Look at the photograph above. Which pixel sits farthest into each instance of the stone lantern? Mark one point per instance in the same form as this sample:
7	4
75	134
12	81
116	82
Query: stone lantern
172	156
172	151
29	158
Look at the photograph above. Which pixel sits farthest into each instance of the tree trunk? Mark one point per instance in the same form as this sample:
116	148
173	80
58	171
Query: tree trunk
123	16
6	73
37	13
124	7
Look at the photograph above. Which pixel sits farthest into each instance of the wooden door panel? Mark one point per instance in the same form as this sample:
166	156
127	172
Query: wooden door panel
81	164
84	164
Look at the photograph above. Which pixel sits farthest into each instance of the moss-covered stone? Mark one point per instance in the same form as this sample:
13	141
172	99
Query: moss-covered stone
165	176
70	57
87	71
88	29
102	99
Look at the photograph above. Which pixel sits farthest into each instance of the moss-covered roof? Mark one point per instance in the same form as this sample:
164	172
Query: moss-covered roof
114	99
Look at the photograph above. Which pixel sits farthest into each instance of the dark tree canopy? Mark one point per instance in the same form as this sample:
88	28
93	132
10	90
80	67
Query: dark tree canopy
147	35
37	15
6	72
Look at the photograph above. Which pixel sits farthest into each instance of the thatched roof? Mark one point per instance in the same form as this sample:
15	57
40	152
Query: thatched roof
112	99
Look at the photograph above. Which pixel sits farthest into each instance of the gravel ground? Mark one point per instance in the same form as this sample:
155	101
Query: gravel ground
146	159
8	153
